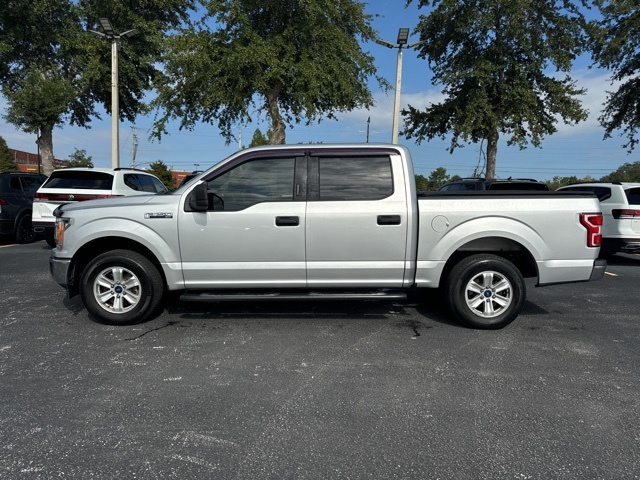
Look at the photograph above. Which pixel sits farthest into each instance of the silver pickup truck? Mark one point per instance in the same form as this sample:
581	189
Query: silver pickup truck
323	222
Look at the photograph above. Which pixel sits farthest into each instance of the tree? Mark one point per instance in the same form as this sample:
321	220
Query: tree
293	60
629	172
616	47
558	181
79	158
259	139
160	170
53	70
7	162
494	59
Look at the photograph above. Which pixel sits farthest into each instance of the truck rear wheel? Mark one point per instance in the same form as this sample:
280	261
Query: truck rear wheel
121	287
485	291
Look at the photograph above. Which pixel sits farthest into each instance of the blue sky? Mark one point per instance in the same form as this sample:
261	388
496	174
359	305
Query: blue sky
574	150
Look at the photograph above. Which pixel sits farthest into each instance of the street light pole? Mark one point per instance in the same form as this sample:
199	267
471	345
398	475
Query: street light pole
111	35
403	38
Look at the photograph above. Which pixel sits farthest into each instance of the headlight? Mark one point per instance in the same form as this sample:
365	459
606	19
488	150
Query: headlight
61	226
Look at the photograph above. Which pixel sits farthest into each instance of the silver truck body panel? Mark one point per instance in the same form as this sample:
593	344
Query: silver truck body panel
337	243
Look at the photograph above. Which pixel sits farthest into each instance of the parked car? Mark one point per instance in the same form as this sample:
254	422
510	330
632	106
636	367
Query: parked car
465	184
620	204
16	199
70	185
311	222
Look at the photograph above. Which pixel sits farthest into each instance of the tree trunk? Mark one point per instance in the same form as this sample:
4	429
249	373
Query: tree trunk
278	128
45	142
492	153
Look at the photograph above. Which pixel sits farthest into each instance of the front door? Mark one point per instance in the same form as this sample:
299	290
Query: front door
254	232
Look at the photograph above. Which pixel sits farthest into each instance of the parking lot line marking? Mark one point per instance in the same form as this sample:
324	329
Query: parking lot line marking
611	274
5	246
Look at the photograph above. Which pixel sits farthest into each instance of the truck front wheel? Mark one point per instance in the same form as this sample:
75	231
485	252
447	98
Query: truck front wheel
485	291
121	287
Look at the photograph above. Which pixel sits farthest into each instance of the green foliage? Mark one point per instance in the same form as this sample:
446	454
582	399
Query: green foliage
53	70
436	179
496	61
38	100
7	162
293	60
629	172
259	139
422	184
160	170
79	158
616	47
558	181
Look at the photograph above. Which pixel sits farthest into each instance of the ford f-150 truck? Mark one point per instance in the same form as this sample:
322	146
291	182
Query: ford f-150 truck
323	222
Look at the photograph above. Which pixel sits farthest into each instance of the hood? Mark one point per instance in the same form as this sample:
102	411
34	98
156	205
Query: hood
117	202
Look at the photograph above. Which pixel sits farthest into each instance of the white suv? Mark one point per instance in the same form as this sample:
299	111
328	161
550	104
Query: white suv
70	185
620	204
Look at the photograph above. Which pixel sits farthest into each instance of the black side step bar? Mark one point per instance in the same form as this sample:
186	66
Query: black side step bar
264	296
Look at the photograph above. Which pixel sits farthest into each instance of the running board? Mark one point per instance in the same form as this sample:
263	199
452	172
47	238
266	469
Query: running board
265	296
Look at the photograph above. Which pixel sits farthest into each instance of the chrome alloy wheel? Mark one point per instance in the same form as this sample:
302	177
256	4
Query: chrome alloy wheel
488	294
117	290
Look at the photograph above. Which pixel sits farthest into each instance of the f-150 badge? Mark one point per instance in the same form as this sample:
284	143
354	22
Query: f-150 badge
158	215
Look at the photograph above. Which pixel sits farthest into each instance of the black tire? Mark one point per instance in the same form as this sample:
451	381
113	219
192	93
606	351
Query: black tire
485	291
49	238
121	287
24	230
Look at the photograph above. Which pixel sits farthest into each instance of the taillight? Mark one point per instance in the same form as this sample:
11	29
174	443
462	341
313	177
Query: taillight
625	214
3	201
592	222
65	197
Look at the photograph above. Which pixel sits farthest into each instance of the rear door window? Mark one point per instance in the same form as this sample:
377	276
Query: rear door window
366	178
80	180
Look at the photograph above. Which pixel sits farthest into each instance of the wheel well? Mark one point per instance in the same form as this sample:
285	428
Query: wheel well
97	247
506	248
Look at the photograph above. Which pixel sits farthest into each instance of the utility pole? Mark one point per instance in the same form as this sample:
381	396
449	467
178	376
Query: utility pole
134	146
111	35
401	42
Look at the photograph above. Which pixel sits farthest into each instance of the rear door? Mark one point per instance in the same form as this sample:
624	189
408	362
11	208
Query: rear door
253	234
356	230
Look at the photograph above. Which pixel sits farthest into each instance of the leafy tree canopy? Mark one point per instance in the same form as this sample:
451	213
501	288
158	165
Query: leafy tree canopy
53	70
160	170
616	46
295	60
494	61
79	158
7	162
629	172
259	139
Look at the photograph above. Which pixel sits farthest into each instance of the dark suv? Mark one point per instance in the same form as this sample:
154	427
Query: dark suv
16	199
494	184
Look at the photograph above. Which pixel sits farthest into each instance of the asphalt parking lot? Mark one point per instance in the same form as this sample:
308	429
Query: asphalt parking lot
319	390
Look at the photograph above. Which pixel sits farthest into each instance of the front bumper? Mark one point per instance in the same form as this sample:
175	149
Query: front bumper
59	268
599	267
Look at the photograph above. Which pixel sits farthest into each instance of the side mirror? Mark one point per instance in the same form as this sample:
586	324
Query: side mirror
198	198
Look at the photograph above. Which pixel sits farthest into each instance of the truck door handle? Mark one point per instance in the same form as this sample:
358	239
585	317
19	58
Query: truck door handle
287	221
388	219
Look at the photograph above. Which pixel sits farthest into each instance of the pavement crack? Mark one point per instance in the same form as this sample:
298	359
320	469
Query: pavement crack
168	324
